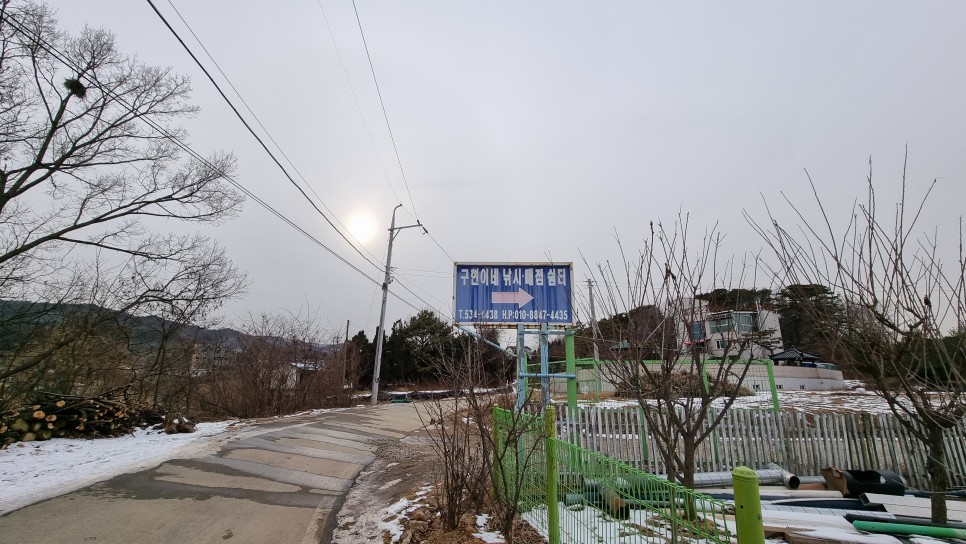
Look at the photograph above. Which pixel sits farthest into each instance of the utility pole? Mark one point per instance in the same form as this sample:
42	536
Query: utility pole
593	317
345	355
385	293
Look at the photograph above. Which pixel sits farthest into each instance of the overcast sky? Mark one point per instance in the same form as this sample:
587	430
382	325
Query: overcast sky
535	131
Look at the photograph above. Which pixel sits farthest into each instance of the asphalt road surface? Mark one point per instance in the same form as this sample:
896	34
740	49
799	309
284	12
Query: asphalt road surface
279	482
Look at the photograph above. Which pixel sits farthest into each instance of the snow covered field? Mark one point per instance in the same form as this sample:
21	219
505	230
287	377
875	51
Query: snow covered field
858	400
34	471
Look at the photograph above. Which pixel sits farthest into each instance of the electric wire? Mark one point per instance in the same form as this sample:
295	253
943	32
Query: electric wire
265	130
238	114
254	134
285	172
441	248
419	275
276	144
41	42
449	319
392	138
430	295
382	103
440	272
50	49
355	97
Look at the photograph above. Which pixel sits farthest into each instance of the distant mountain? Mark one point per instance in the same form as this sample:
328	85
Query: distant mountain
144	333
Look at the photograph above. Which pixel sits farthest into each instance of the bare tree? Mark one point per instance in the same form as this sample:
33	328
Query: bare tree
658	357
481	464
898	298
283	365
90	168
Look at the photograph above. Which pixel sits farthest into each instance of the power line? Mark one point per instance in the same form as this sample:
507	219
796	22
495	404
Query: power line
392	138
448	273
383	104
430	295
43	44
435	241
275	159
355	97
422	275
267	133
254	134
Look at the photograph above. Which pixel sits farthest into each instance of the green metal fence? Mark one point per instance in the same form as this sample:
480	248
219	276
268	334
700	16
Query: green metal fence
573	495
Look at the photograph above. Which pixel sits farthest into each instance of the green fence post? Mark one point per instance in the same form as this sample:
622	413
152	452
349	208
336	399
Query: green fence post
570	353
550	447
707	390
774	387
747	507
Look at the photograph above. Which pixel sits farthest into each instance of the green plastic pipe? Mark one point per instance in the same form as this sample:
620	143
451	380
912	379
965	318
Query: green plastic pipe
902	529
747	506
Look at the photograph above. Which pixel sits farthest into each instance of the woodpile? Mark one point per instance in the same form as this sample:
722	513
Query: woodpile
69	416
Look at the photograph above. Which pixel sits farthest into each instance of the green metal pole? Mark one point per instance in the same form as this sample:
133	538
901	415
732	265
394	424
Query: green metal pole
774	388
571	369
570	354
747	507
550	446
704	376
707	389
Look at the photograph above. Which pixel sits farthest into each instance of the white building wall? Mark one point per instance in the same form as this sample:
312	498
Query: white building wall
787	378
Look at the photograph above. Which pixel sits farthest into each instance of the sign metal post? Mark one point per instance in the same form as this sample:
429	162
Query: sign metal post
518	295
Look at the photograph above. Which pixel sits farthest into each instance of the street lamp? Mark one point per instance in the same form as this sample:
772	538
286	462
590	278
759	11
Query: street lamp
393	229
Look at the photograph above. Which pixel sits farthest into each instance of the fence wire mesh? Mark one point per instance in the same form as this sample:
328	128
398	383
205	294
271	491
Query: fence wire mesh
594	499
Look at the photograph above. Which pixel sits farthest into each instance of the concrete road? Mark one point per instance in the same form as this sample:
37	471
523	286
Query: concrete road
280	482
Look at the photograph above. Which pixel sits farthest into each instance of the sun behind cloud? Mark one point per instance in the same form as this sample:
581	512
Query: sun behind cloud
362	226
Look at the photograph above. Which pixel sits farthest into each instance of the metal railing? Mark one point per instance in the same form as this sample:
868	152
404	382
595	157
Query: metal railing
802	443
573	495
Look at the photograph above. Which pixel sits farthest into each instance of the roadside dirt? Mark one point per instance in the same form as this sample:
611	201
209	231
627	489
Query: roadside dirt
401	468
404	470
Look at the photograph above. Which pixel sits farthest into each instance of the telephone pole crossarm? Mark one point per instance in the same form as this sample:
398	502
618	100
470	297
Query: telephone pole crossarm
393	230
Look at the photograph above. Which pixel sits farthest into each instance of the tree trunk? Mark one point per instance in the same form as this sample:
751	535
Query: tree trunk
687	476
938	474
688	468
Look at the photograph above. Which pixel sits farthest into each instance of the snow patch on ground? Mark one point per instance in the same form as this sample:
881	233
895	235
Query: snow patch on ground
390	483
398	512
861	538
34	471
490	537
847	400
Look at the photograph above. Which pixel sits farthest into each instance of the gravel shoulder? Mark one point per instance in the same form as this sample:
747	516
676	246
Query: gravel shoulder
400	469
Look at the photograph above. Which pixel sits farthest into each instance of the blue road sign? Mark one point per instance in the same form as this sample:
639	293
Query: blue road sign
514	293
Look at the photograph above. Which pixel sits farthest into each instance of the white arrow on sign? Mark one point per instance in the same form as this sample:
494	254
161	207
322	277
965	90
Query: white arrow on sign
520	297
